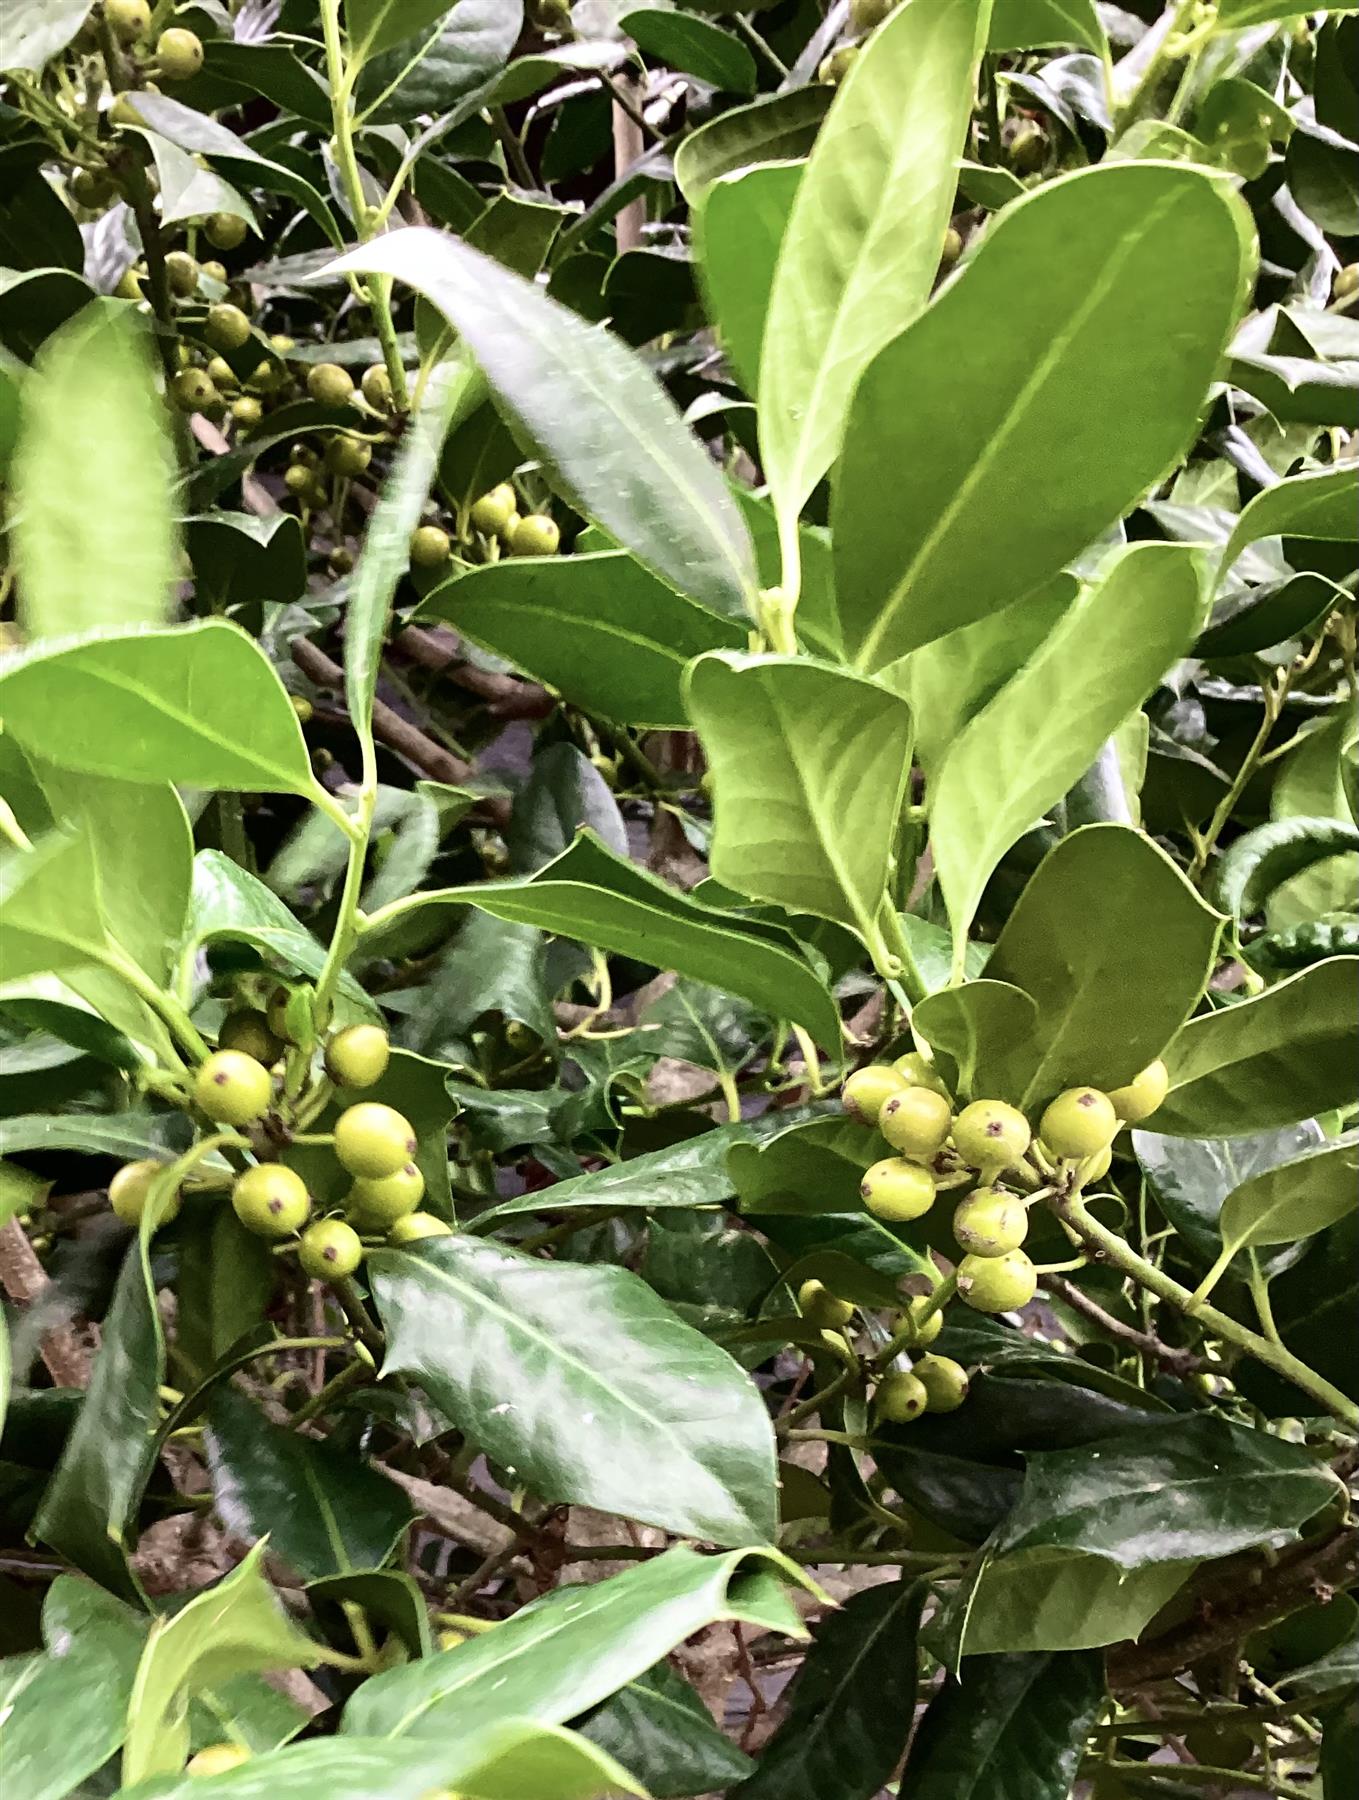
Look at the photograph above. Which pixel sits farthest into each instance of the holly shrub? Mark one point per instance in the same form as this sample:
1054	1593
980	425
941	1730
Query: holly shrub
677	977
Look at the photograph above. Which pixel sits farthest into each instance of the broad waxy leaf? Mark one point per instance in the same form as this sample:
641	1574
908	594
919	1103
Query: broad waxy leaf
473	43
1062	1600
779	128
663	1731
1316	505
197	704
739	225
1280	1056
1192	1177
1262	859
377	25
584	1383
1313	1305
1294	1199
600	628
612	436
1032	24
576	1646
702	49
810	765
93	551
1033	741
864	237
982	1027
223	1285
34	31
1095	330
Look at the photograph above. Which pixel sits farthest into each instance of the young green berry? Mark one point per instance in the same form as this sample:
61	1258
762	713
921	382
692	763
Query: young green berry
271	1199
534	535
227	327
867	15
944	1382
179	54
330	385
130	20
265	377
280	341
232	1088
348	456
899	1398
833	68
1028	148
925	1326
952	247
130	284
341	560
508	529
182	272
303	708
916	1122
1346	282
330	1250
1142	1095
991	1135
298	480
226	231
91	187
431	547
130	1189
216	1759
222	375
492	512
417	1225
194	391
817	1304
376	387
380	1202
214	270
357	1057
868	1090
373	1140
918	1071
1078	1123
897	1190
996	1284
247	412
990	1222
249	1031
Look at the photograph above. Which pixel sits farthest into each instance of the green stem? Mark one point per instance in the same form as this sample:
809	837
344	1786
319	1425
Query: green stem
757	43
909	1333
1273	696
911	978
1121	1255
1259	1290
1167	51
193	1401
166	1008
814	1402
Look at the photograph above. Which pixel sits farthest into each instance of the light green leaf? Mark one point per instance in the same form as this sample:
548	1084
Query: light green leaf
93	532
1035	24
377	25
1317	505
1236	15
738	226
865	235
1293	1200
615	443
779	128
1022	752
1096	331
1044	1599
979	1025
32	32
189	191
810	765
1312	783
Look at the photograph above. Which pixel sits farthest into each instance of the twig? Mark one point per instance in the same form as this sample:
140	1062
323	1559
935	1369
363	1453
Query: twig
1180	1362
26	1281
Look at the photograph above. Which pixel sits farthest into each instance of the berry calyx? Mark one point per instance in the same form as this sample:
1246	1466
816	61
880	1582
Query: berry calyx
357	1057
376	387
918	1071
990	1222
1141	1096
534	535
897	1190
417	1225
179	54
996	1284
129	19
227	327
492	512
226	231
431	547
330	1250
130	1189
232	1088
373	1140
216	1759
249	1031
868	1090
330	385
899	1398
817	1304
916	1123
195	391
944	1381
991	1135
378	1202
925	1326
271	1200
1078	1123
348	456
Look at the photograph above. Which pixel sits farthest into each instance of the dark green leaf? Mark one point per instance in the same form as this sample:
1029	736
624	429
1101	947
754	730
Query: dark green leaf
779	128
473	43
660	1728
694	45
1315	505
1192	1177
1261	860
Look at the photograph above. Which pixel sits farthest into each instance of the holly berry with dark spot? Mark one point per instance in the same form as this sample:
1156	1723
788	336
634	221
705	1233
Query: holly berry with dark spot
916	1122
374	1140
271	1200
179	54
330	1250
232	1088
897	1190
997	1284
1078	1123
990	1135
899	1398
991	1222
868	1090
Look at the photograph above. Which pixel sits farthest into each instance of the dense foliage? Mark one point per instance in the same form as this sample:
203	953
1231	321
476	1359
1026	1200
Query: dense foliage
678	788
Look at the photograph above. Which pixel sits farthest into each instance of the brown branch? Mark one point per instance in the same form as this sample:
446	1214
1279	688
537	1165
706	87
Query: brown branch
1180	1362
26	1282
506	696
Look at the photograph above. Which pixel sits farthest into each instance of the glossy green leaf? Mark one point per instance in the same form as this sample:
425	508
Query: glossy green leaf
93	551
324	1511
851	1705
576	1646
1192	1177
814	1165
1293	1200
32	32
779	128
583	1383
865	235
1262	859
1027	746
240	556
983	1028
197	704
1315	782
1034	24
473	43
126	1135
1062	1600
1110	993
660	1728
613	439
1235	15
809	767
1316	505
694	45
588	894
738	227
1013	1728
187	189
1313	1305
1280	1056
377	25
224	1283
600	628
1094	331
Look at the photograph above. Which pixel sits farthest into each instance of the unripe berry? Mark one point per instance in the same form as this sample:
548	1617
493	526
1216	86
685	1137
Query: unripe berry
991	1135
214	270
417	1225
247	412
341	560
897	1190
990	1222
1346	282
271	1199
298	480
329	384
222	375
130	284
376	387
431	547
944	1382
347	456
357	1057
952	247
378	1203
868	1090
249	1031
194	391
817	1304
491	513
227	327
926	1326
226	231
1078	1123
534	535
918	1071
130	1189
373	1140
1142	1095
330	1250
216	1759
996	1284
179	54
899	1398
1028	148
91	187
232	1088
130	19
867	15
916	1122
837	65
